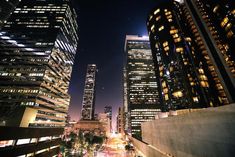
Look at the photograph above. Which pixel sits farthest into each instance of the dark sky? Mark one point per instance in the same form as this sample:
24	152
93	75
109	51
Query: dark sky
103	25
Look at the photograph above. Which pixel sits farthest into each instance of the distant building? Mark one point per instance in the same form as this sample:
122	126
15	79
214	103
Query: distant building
140	83
120	120
88	103
108	111
104	118
125	102
96	116
94	126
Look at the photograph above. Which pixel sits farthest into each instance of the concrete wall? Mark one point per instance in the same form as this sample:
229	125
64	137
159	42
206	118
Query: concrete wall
146	149
206	133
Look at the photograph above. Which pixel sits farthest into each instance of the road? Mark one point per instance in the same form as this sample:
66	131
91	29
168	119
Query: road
115	147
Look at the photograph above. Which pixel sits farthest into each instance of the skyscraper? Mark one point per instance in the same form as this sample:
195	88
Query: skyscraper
37	46
88	103
142	93
186	71
214	20
120	120
125	102
108	111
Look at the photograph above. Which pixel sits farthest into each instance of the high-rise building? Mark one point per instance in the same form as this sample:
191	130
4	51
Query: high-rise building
104	118
108	111
6	7
187	73
88	103
142	92
125	102
215	22
120	120
38	43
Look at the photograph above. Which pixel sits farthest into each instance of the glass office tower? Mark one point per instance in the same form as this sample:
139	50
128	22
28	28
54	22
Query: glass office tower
140	81
38	44
214	20
187	73
88	103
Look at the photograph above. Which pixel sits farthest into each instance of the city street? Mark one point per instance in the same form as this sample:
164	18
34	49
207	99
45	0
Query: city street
115	147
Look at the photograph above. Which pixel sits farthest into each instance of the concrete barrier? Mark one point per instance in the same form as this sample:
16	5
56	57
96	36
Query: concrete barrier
146	149
205	133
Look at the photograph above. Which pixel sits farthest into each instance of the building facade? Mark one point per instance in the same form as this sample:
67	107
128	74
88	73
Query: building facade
104	118
120	120
108	111
38	44
215	22
185	70
142	94
88	103
125	102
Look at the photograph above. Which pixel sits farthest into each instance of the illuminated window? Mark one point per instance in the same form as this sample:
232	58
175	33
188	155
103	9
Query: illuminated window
163	84
188	39
173	31
156	46
23	141
170	20
152	28
216	8
233	12
165	44
156	11
165	90
203	77
177	94
166	48
177	40
179	49
224	22
230	34
166	97
158	18
175	35
195	99
204	84
201	71
161	28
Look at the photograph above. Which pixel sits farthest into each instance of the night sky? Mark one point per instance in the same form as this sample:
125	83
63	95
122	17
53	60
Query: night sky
103	25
